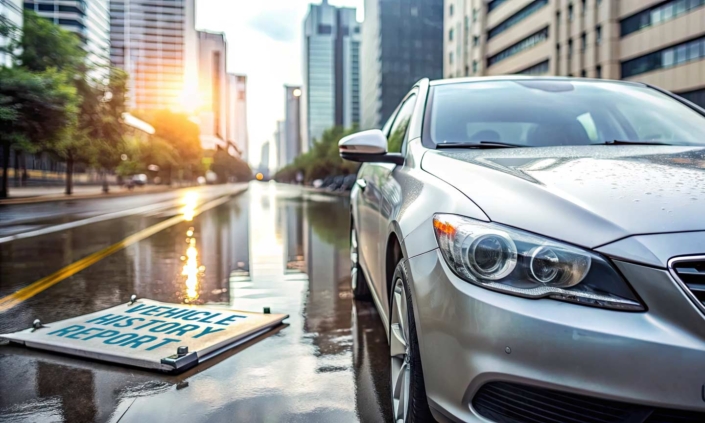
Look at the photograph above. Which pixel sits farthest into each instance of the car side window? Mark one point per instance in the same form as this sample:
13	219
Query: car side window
397	134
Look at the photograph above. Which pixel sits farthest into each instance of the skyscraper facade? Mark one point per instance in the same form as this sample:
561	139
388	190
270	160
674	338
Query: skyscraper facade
11	15
331	88
280	143
213	83
155	42
263	167
291	142
402	42
653	41
89	19
237	133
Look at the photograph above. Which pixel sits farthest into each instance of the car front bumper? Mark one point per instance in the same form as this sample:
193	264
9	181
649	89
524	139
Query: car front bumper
470	336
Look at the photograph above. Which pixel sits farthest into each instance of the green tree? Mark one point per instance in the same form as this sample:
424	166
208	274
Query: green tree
226	167
181	134
45	45
36	109
321	160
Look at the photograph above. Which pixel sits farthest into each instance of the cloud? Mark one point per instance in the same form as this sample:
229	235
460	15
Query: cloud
277	24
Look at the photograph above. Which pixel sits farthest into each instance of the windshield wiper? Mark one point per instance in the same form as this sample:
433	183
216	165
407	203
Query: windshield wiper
481	144
622	142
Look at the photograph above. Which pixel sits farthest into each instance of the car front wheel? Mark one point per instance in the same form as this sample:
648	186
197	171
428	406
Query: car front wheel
409	402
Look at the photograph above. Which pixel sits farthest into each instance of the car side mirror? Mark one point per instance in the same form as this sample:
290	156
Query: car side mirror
368	146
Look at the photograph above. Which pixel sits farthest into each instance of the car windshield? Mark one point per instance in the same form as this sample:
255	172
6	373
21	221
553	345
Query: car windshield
537	113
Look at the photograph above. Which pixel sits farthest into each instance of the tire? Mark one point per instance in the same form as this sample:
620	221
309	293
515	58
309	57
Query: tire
360	289
406	370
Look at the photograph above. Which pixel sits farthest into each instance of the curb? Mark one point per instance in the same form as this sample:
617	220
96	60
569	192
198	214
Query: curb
64	197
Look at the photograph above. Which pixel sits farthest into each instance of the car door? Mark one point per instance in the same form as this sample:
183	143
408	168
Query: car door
366	218
386	190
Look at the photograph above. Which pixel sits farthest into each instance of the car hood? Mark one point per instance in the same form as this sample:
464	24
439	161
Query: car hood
585	195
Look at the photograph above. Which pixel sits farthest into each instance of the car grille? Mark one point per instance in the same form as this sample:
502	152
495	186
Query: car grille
513	403
690	271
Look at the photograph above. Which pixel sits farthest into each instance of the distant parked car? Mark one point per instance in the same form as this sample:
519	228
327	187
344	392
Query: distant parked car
139	180
348	182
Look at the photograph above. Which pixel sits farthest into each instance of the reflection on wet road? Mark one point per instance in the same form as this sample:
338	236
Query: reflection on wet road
273	246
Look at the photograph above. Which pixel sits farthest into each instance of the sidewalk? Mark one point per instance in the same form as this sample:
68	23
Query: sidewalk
28	195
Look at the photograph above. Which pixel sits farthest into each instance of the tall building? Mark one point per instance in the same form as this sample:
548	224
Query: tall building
236	123
279	141
402	42
653	41
291	137
89	19
155	42
331	89
264	160
11	15
213	89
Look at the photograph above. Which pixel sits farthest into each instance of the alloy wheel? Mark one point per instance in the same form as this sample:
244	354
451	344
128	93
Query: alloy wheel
399	351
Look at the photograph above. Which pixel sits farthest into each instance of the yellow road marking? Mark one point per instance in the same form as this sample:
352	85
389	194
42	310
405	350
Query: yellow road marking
35	288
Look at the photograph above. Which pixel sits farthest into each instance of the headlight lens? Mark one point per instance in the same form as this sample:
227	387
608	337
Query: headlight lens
520	263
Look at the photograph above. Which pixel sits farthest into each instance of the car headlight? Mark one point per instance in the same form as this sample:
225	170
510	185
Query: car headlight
519	263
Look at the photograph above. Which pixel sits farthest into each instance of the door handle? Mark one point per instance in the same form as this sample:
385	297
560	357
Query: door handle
361	183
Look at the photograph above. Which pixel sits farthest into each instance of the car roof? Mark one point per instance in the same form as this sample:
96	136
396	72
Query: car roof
524	78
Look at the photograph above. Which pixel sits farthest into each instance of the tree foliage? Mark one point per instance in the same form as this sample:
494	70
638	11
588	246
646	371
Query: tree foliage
230	168
179	131
36	111
321	160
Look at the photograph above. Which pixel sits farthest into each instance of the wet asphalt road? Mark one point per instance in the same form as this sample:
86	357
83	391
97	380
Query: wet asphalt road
271	246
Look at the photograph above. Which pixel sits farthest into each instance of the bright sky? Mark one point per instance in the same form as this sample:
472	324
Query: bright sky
265	43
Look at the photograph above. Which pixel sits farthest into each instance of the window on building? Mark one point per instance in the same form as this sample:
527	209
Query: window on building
414	11
583	41
46	7
598	71
522	45
475	40
450	34
583	74
657	14
570	12
570	49
474	67
671	56
697	97
493	4
325	29
598	35
558	23
537	69
450	57
516	18
451	9
474	15
583	6
70	9
467	70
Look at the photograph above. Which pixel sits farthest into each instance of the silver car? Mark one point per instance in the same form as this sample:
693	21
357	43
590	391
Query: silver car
536	250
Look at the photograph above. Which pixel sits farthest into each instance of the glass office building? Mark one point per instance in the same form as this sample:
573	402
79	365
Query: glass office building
331	88
11	15
155	42
402	43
